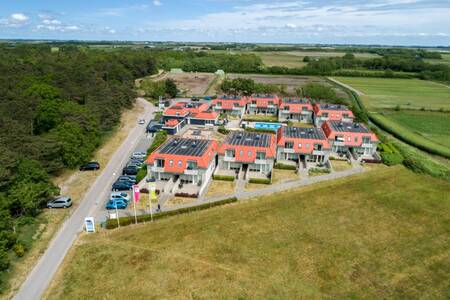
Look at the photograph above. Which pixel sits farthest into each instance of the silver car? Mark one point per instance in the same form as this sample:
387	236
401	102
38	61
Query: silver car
60	202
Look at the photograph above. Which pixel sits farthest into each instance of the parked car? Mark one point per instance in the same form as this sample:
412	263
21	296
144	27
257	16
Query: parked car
138	155
90	166
130	170
120	195
141	121
60	202
126	178
136	165
119	204
122	186
207	98
195	98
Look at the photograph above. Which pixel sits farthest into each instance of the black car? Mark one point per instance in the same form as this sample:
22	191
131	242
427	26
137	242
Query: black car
130	170
90	166
125	178
122	186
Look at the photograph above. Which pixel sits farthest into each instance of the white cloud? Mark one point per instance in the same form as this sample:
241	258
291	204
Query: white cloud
157	2
14	20
19	17
51	22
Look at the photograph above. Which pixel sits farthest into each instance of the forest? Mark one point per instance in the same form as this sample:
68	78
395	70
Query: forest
55	108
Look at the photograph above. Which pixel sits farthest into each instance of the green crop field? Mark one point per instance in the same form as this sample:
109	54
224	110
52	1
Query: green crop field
445	59
377	235
434	126
408	93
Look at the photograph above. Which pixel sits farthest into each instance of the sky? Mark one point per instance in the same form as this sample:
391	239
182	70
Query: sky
387	22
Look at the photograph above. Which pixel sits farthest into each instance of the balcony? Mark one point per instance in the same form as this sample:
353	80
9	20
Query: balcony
261	161
157	169
191	171
339	143
367	145
318	152
270	106
285	111
288	150
306	112
229	158
237	108
252	105
217	106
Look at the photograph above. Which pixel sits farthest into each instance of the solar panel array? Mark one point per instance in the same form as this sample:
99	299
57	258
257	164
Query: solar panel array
303	133
295	101
230	98
243	138
349	127
180	146
333	106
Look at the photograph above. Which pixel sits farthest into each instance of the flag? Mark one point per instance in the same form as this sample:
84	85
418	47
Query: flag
152	186
136	193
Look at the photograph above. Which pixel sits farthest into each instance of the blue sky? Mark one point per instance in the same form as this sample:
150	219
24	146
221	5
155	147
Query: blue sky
394	22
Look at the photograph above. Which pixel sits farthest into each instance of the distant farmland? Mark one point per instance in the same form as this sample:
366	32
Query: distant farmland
407	93
290	81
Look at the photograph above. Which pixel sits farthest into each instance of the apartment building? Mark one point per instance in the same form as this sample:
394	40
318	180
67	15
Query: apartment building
233	105
302	144
248	151
263	104
185	161
331	112
298	110
180	114
353	137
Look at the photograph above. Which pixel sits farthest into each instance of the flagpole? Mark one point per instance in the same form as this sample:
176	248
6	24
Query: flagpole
134	204
152	187
117	216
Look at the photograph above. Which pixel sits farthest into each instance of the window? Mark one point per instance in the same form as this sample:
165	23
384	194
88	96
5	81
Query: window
241	153
349	139
249	153
304	108
235	104
159	163
339	138
219	103
230	153
366	140
289	145
300	145
253	101
260	155
345	115
191	165
325	115
171	163
307	146
356	139
318	147
286	108
180	163
270	102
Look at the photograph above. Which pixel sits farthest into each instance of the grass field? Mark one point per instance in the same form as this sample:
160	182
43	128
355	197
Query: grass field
433	126
346	238
408	93
445	59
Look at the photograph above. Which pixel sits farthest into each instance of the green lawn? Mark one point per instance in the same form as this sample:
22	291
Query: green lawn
376	235
408	93
434	126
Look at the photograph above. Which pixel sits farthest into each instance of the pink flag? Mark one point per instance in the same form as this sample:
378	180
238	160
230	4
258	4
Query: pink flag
136	193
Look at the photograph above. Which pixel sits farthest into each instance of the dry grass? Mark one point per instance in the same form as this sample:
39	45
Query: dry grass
283	175
179	201
254	186
75	184
192	84
360	241
220	188
302	125
340	165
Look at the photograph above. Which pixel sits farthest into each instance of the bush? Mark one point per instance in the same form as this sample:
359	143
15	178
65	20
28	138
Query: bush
259	180
284	167
124	221
223	130
19	249
318	171
141	173
223	177
260	130
186	195
4	260
258	118
160	138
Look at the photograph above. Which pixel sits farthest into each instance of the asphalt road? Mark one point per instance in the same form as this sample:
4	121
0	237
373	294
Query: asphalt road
41	275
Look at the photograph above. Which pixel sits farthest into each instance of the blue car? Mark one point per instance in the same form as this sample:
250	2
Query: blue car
119	204
122	186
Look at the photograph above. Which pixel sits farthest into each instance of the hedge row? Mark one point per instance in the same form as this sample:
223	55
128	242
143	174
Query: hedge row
125	221
223	177
271	119
408	136
319	170
261	130
259	180
282	166
223	130
390	154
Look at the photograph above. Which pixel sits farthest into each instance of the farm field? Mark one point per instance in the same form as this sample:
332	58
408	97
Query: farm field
290	81
445	59
192	84
360	241
382	93
433	126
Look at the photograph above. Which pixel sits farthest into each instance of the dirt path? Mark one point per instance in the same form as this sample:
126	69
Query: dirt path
359	93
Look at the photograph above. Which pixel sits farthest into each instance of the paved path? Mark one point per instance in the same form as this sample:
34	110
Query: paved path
42	273
359	93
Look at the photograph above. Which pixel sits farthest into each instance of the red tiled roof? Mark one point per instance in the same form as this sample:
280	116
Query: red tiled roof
172	122
248	148
334	111
348	135
303	139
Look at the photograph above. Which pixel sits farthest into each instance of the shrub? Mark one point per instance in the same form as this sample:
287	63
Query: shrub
4	260
186	195
318	171
124	221
250	129
223	130
19	249
160	138
260	118
284	167
141	173
259	180
223	177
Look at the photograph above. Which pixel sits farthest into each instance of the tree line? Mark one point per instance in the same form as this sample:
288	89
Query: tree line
55	108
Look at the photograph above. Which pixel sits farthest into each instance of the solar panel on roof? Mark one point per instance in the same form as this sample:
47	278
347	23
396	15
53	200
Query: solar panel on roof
189	147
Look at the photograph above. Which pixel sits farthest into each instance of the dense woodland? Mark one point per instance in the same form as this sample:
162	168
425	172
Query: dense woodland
55	107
